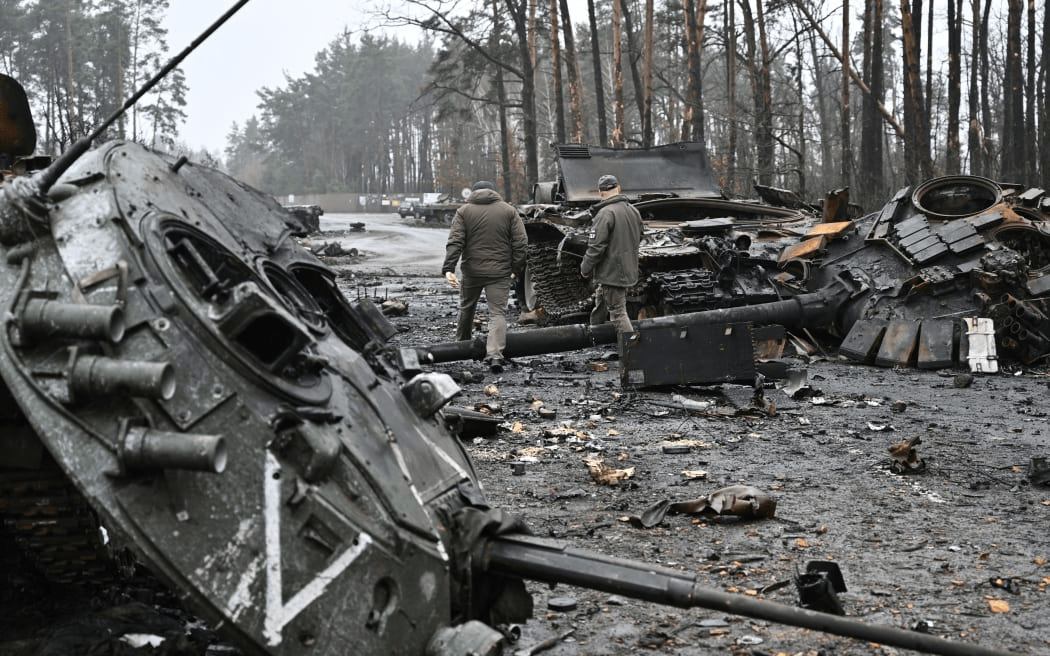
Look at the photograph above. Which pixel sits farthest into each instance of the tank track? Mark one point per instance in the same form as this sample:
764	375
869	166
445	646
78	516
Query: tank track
687	290
560	291
53	527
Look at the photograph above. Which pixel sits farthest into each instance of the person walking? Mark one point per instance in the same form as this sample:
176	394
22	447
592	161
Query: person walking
611	259
488	239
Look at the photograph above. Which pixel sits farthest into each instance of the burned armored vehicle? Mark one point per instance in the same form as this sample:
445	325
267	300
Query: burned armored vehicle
956	270
700	250
950	272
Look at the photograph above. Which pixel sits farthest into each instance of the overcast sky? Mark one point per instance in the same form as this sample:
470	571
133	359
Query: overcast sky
255	48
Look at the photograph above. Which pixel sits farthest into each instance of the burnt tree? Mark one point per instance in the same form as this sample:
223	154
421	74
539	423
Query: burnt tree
572	69
1012	157
952	146
871	134
559	89
617	81
917	164
599	85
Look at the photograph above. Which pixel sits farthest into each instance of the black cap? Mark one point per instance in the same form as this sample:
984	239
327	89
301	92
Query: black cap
483	184
607	182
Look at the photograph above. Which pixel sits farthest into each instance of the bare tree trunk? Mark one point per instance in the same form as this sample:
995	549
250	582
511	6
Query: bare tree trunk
761	90
133	67
929	58
1044	103
801	116
519	12
647	78
729	7
501	93
572	67
916	142
765	138
951	160
634	53
847	151
1031	160
71	111
559	93
986	109
618	118
531	28
871	154
599	84
975	134
689	46
693	117
1013	151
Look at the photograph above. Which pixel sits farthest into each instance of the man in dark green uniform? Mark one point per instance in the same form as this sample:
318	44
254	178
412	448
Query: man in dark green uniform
611	259
489	235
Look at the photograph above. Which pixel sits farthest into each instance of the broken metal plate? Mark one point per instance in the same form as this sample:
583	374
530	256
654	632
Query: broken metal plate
937	344
831	230
688	355
807	249
898	344
863	340
1039	285
682	169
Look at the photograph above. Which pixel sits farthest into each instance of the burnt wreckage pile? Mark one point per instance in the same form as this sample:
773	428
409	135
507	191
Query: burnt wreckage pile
952	272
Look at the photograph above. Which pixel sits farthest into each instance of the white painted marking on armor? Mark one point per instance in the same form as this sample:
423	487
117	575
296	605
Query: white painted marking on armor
279	614
396	448
223	565
242	596
443	455
228	553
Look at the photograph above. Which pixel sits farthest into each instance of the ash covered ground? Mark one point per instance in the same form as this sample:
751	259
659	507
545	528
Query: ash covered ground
959	548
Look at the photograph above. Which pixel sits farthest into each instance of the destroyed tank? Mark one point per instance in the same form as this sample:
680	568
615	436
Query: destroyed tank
700	250
254	440
954	264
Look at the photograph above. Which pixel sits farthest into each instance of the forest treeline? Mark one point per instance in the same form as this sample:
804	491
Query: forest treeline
80	60
809	96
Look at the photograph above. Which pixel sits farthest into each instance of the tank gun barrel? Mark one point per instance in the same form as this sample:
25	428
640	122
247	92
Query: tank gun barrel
549	562
805	310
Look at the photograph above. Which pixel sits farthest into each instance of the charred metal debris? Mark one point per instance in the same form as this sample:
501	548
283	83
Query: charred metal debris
954	272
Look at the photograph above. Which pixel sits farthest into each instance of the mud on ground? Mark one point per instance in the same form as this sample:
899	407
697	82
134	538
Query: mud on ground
959	549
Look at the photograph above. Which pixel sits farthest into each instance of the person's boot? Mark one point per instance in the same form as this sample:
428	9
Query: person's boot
495	364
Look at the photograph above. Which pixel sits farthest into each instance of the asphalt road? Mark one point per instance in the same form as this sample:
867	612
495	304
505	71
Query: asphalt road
388	243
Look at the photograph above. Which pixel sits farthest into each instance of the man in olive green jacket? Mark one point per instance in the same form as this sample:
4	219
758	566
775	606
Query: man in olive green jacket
489	235
612	254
